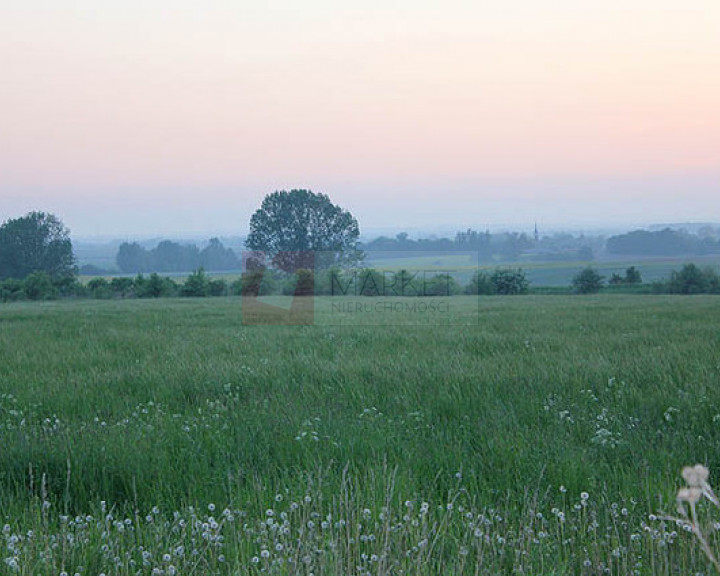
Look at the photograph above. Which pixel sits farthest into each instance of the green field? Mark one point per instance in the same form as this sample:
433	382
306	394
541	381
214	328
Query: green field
165	435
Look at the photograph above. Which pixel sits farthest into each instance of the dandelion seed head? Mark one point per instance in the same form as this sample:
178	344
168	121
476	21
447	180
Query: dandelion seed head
690	495
695	476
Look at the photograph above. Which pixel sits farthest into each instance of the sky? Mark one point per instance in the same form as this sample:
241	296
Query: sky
147	117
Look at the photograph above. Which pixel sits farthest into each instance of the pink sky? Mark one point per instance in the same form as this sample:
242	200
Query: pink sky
459	111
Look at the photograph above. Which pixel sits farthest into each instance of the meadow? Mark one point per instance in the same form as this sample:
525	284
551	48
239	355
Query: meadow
528	434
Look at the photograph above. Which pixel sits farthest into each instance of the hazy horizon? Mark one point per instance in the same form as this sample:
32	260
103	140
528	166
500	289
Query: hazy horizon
129	119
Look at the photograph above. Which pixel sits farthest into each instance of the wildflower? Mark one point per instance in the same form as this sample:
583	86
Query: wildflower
695	476
690	495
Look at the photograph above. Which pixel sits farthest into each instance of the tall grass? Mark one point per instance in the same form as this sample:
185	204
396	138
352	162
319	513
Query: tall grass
175	406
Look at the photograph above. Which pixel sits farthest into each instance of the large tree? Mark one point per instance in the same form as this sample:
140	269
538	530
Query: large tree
301	229
36	242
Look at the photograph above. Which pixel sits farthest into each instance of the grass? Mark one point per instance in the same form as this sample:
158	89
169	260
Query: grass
175	405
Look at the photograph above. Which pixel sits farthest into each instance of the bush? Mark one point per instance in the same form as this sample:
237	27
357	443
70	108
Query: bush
509	282
632	276
370	282
12	290
588	281
217	287
255	282
99	288
154	286
330	282
480	284
39	286
442	285
692	280
197	285
305	285
121	287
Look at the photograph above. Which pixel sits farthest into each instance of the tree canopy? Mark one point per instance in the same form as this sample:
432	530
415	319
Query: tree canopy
301	229
36	242
169	256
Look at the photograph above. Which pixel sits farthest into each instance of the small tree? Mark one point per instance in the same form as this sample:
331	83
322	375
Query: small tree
197	285
154	286
616	279
37	242
99	288
509	282
39	286
588	281
632	276
442	285
370	282
12	290
692	280
217	287
480	284
121	286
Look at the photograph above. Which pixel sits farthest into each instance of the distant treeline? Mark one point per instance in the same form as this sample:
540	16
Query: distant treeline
170	256
507	246
667	242
173	257
513	246
364	282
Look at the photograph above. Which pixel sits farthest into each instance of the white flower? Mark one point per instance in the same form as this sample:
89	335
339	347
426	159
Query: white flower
695	476
690	495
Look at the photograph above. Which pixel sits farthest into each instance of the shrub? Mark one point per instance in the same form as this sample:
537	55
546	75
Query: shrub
121	287
616	279
217	287
692	280
480	284
39	286
11	290
305	283
370	283
197	285
509	281
441	285
633	276
587	281
154	286
330	281
99	288
300	283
